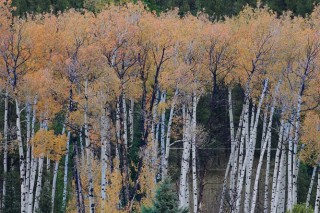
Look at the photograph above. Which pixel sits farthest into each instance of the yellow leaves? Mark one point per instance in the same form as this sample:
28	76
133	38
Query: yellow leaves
45	143
310	154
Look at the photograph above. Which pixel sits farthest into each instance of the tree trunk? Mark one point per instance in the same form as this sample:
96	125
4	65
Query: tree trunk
21	158
317	204
183	195
39	185
55	175
162	134
5	146
166	161
276	165
65	176
194	149
88	152
105	156
311	185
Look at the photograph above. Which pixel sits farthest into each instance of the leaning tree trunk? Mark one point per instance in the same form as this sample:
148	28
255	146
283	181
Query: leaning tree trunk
266	141
311	185
167	151
55	175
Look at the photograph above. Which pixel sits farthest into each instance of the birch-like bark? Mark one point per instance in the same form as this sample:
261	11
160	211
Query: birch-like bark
317	204
88	152
105	152
5	146
28	155
234	169
193	148
296	161
267	140
266	182
131	116
34	163
281	177
39	185
21	158
168	136
183	198
65	176
162	134
55	175
118	134
311	185
290	173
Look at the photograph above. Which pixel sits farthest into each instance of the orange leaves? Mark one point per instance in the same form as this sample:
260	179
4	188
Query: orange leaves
311	139
45	143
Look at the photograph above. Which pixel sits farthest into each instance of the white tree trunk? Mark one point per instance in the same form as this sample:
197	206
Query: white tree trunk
88	152
311	185
265	143
55	175
131	116
105	128
183	198
34	163
21	158
276	165
39	186
65	176
5	146
193	148
162	134
166	161
290	173
28	155
317	204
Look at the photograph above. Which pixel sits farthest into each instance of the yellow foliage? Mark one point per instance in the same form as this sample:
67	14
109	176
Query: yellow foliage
310	154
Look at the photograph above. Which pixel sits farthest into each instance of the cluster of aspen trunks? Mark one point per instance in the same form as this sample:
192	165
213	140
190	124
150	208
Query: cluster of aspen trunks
128	82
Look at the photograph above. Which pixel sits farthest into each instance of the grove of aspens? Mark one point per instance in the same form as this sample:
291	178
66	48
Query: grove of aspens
122	107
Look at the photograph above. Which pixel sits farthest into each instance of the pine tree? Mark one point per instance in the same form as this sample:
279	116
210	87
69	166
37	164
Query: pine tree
165	200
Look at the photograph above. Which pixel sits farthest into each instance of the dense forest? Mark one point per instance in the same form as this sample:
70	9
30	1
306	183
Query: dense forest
145	107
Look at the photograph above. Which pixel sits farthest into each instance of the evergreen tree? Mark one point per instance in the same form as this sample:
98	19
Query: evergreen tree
165	200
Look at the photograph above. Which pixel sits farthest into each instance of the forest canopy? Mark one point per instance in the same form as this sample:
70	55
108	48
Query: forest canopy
101	107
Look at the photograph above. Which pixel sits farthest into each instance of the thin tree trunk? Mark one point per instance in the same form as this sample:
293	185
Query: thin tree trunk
55	175
5	146
39	185
65	176
105	126
89	153
131	116
183	195
311	185
21	158
194	149
162	134
267	140
317	204
166	161
276	165
34	163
